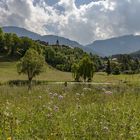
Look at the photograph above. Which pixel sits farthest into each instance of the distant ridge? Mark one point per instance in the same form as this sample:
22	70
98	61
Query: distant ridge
51	39
119	45
21	32
135	54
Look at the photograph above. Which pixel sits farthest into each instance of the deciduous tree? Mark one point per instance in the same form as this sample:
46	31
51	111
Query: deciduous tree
31	64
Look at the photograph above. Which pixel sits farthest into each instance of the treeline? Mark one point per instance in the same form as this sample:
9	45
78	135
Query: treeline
63	57
123	64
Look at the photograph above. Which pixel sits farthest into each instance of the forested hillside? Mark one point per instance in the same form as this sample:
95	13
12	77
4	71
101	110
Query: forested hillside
64	57
59	56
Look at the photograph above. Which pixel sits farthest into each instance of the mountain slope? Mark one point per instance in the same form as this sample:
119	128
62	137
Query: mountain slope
51	39
135	54
62	41
21	32
120	45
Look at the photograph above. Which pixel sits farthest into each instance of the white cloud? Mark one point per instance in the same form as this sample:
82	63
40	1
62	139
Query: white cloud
85	23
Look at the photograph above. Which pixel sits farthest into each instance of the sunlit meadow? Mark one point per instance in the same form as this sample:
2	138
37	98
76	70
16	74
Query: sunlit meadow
75	112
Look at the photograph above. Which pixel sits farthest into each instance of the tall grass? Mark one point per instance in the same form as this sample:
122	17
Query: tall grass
75	112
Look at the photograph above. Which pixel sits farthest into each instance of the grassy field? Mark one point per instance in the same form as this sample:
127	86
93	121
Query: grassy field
76	112
8	71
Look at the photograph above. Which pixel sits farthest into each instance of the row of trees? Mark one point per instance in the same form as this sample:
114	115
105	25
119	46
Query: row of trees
122	64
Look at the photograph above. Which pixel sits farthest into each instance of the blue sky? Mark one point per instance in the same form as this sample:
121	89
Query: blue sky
80	20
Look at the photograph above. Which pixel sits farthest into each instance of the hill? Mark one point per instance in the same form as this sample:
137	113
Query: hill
8	71
21	32
119	45
61	57
135	54
51	39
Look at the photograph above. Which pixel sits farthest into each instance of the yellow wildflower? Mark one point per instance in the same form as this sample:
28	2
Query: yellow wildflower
9	138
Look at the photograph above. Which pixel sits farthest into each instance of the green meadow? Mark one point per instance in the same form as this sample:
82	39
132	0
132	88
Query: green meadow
74	112
8	71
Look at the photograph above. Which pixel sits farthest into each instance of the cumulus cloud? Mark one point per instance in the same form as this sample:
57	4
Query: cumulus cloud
80	21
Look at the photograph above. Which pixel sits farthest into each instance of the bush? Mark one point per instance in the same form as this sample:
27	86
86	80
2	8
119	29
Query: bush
116	71
128	72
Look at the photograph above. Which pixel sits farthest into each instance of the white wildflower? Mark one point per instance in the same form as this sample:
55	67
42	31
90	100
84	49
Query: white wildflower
50	93
40	97
77	94
55	94
60	97
56	108
87	89
108	92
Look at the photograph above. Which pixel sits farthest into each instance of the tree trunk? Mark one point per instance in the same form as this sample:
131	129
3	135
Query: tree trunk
12	51
30	84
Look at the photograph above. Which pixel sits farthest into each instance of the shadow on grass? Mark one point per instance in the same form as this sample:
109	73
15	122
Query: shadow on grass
6	58
25	82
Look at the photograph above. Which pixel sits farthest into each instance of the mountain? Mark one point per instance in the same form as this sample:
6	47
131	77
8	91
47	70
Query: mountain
21	32
119	45
136	54
51	39
62	41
